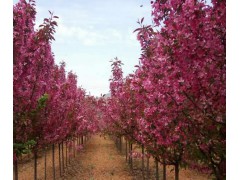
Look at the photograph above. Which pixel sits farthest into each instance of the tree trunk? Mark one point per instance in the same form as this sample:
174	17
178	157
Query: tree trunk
45	163
63	156
126	151
70	152
164	171
66	155
16	169
147	167
129	150
176	171
120	144
59	155
53	160
74	149
157	173
116	142
131	158
35	164
143	161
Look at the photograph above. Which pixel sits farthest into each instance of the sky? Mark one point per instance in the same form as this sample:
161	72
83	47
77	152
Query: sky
91	33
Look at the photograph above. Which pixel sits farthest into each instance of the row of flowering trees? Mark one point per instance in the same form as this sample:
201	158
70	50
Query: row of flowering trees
174	104
48	106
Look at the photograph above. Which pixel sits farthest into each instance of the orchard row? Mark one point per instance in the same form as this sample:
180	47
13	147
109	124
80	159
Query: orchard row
48	106
175	103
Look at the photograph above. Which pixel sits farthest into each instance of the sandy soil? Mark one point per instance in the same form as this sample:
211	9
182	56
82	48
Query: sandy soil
99	160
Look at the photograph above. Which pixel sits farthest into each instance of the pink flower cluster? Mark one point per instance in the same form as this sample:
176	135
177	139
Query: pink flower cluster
79	148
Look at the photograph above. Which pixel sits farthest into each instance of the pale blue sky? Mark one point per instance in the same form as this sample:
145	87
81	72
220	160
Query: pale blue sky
92	32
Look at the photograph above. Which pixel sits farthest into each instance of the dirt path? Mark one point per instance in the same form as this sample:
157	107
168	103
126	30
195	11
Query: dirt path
98	161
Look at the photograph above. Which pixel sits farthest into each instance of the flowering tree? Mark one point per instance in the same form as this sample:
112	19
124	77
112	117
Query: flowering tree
194	40
175	101
32	65
48	105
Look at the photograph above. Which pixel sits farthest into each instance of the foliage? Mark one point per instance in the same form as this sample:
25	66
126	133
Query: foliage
48	106
175	102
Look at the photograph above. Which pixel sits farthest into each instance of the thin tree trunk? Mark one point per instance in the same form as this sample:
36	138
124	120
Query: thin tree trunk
69	152
59	155
126	151
131	158
117	143
129	149
176	171
164	171
74	152
35	164
45	163
63	156
120	144
157	173
53	160
147	167
143	161
82	139
66	155
16	169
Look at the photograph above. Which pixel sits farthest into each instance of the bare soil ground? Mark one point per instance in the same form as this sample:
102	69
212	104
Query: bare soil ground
99	160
